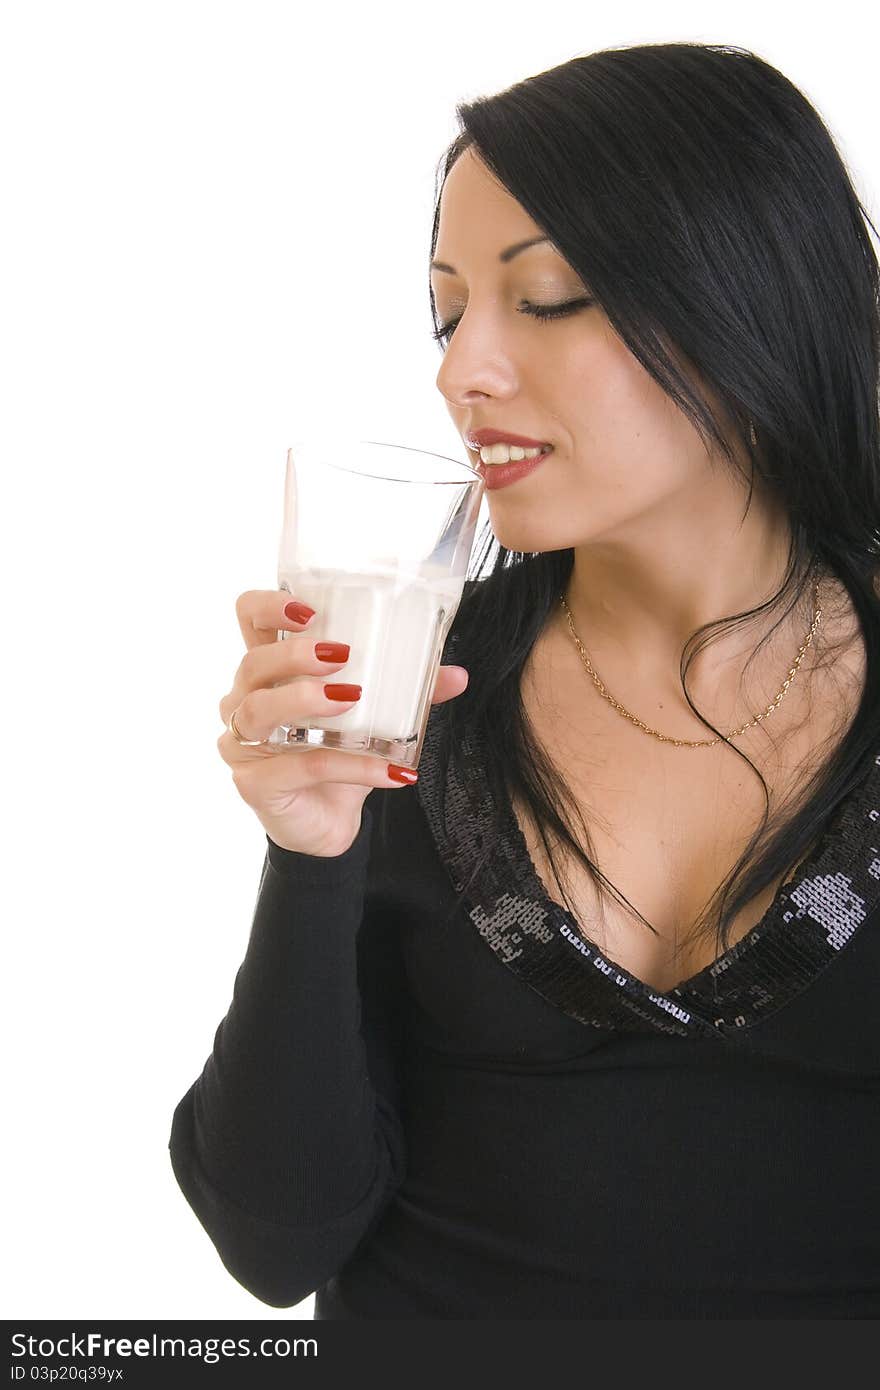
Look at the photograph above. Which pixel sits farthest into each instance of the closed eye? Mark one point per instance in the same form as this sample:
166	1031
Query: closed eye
542	312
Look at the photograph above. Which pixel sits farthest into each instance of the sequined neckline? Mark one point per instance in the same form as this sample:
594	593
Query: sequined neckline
810	920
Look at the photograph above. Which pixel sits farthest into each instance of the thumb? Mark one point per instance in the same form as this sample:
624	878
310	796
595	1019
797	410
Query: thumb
451	681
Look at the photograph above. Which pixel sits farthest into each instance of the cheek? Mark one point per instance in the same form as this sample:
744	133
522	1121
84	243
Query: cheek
622	405
628	442
628	455
595	385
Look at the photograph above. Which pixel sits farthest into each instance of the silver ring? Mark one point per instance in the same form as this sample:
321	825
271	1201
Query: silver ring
245	742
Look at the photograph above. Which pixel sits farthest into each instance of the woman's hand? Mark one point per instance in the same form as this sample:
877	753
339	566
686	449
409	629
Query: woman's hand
310	800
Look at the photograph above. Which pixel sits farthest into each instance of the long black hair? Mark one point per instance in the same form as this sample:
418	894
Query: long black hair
698	193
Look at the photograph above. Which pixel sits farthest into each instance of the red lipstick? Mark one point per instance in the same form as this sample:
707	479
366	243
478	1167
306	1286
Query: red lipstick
483	438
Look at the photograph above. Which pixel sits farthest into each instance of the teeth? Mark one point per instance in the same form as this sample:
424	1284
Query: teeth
507	453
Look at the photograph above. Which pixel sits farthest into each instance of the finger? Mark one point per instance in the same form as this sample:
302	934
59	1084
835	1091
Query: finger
261	615
278	663
307	768
451	681
301	699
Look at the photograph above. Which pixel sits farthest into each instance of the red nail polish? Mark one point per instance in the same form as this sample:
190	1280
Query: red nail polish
342	692
298	612
332	651
401	774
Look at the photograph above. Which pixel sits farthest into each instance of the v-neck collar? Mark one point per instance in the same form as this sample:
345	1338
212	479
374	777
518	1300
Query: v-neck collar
811	918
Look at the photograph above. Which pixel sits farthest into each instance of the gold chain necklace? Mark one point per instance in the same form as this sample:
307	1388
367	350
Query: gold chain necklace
700	743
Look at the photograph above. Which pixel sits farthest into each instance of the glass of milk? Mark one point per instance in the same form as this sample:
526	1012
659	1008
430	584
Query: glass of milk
377	539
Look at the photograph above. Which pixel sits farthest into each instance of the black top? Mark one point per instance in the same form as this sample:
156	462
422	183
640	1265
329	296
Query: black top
423	1108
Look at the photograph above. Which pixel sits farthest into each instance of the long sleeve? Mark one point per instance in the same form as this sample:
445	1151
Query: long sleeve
289	1145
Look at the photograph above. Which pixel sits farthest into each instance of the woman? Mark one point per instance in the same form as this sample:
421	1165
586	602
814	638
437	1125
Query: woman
656	1093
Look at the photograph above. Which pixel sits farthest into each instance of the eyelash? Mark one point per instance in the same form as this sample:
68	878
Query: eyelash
542	312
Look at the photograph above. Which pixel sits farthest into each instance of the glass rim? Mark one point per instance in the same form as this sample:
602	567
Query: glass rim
309	444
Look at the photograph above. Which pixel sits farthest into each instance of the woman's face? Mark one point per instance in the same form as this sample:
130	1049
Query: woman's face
624	456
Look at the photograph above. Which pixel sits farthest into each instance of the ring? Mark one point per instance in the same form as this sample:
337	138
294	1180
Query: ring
245	742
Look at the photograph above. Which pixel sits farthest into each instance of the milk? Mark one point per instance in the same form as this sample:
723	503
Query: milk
396	626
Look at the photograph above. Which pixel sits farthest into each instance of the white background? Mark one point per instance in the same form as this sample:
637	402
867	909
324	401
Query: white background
215	223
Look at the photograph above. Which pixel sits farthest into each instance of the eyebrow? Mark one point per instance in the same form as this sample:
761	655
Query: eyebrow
504	256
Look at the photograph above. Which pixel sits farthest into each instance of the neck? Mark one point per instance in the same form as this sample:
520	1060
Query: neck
636	598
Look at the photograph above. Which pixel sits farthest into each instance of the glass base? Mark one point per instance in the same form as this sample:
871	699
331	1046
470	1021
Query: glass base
395	750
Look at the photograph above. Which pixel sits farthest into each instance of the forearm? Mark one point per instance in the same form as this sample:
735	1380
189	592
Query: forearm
280	1146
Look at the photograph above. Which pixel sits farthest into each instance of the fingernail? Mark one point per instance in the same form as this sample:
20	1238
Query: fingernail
298	612
342	692
401	774
332	651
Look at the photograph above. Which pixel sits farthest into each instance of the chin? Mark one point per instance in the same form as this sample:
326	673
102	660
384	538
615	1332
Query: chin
526	535
534	531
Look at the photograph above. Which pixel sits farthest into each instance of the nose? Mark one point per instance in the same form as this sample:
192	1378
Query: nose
475	365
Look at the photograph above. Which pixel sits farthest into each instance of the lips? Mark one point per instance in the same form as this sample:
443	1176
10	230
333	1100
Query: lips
479	439
499	475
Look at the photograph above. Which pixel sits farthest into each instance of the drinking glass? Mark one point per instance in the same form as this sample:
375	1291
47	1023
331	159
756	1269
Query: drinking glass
376	538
